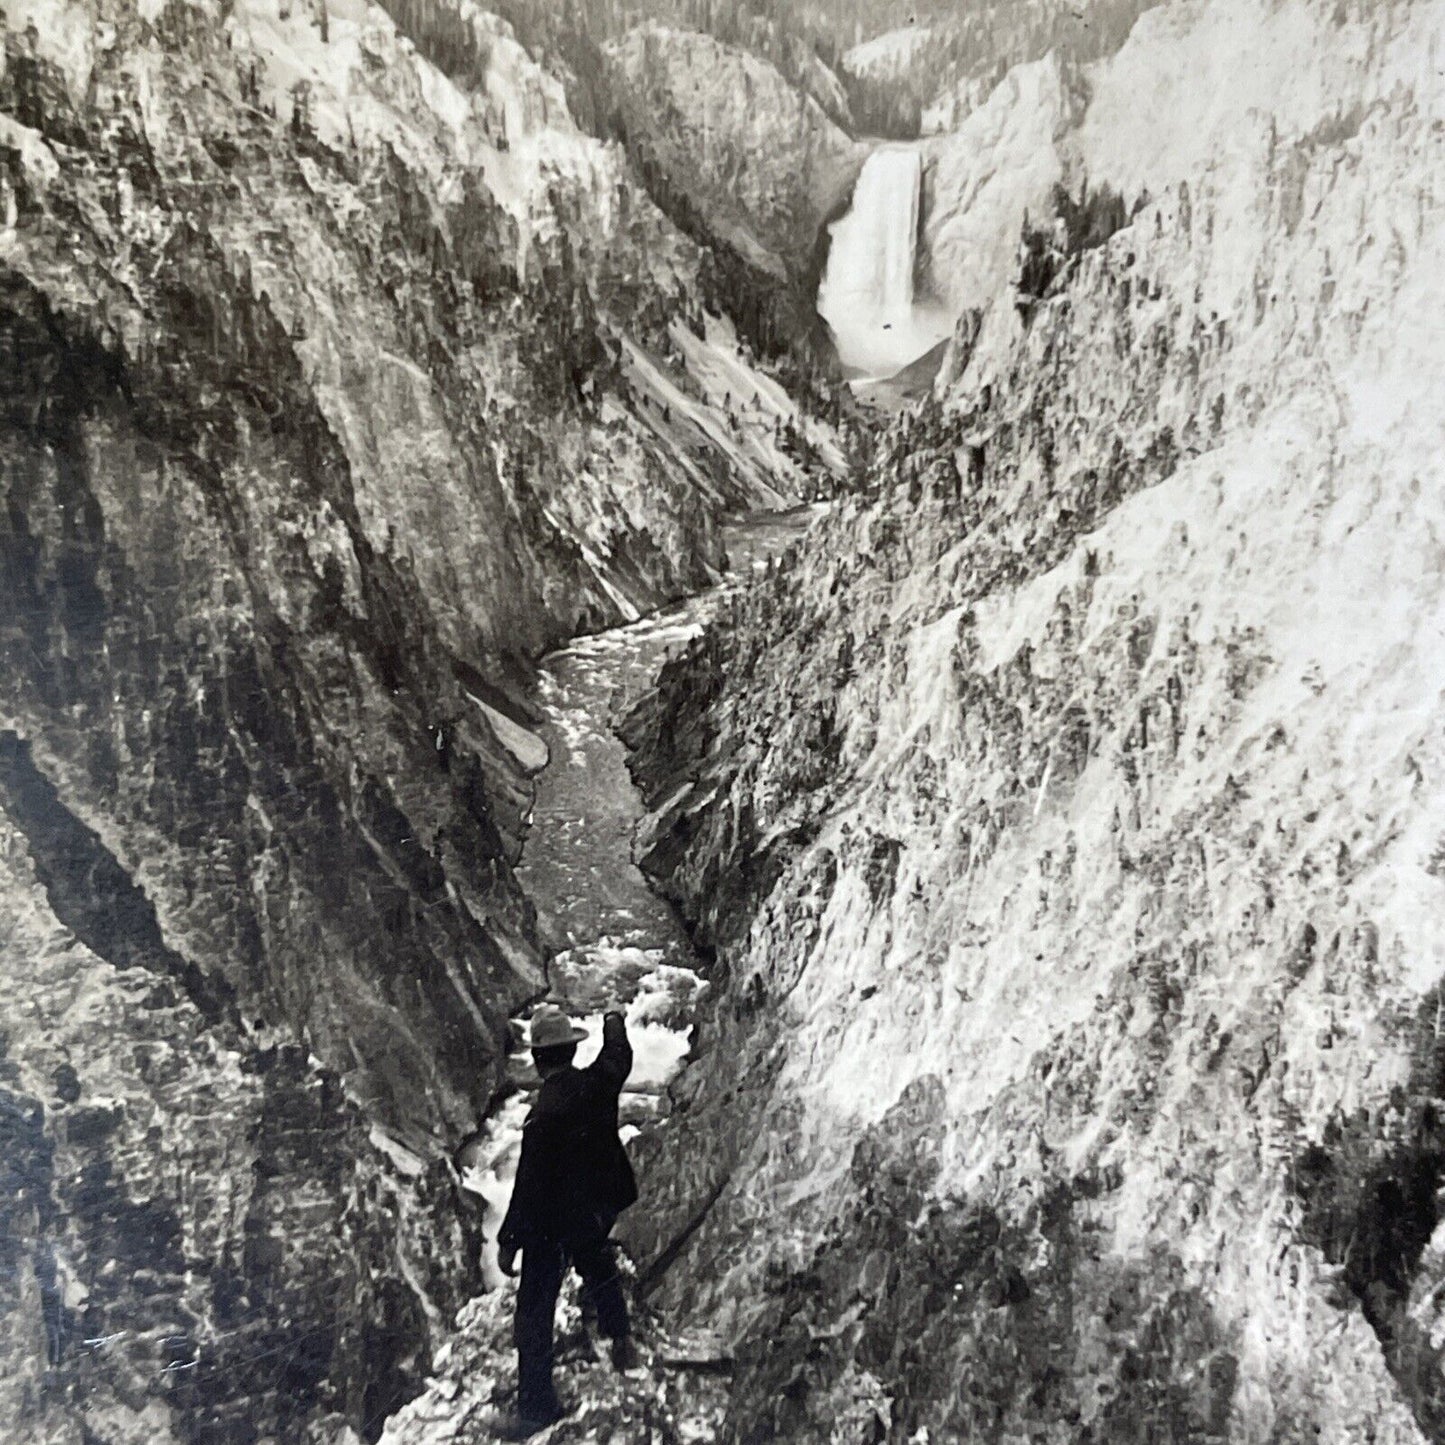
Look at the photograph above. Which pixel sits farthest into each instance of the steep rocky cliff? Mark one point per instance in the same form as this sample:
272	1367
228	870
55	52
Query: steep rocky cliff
341	375
757	154
1066	818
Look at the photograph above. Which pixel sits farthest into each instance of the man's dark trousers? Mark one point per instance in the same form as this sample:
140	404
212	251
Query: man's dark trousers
544	1264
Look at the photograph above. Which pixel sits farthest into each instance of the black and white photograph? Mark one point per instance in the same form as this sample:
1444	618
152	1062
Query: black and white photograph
722	722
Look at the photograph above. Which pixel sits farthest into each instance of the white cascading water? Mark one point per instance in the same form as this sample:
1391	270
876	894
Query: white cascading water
866	296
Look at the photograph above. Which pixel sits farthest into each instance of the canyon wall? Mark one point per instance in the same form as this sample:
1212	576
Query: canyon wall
758	155
1064	819
319	422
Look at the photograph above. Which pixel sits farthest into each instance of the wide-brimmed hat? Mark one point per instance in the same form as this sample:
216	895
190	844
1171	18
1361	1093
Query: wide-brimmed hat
550	1026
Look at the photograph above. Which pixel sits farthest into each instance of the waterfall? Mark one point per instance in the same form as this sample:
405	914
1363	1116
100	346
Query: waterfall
875	254
866	296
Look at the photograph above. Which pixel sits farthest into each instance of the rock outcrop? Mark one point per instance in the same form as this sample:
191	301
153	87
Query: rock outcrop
1065	819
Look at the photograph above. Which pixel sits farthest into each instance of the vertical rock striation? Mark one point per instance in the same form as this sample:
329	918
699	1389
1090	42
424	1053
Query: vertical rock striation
1066	818
727	138
314	428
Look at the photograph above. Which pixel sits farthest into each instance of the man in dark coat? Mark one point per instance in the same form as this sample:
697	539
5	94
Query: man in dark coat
573	1180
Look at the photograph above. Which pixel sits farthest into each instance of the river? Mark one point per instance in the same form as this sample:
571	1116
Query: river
617	944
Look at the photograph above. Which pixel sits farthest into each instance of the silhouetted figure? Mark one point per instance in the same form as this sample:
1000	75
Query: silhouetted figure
573	1180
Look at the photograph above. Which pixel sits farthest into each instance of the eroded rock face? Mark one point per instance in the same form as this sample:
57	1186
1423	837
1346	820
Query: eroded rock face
955	68
176	1193
313	430
757	154
232	816
1066	819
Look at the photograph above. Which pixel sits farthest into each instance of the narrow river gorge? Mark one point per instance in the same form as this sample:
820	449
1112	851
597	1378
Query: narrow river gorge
614	942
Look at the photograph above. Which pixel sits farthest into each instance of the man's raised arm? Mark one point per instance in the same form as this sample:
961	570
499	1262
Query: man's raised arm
614	1062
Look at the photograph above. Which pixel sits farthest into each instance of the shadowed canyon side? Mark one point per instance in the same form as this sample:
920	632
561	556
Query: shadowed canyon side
756	154
342	374
1066	817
